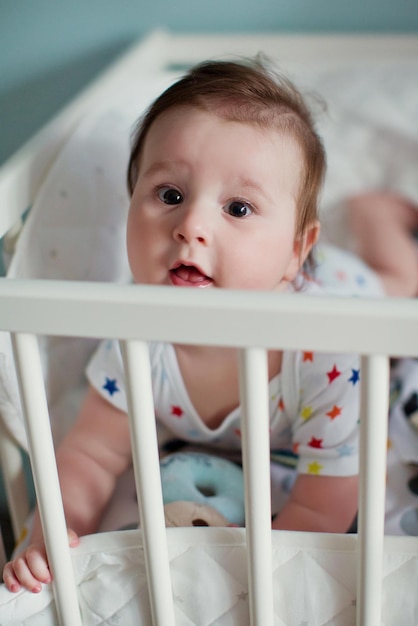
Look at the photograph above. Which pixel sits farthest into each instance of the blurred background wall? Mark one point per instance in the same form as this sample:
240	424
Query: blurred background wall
51	48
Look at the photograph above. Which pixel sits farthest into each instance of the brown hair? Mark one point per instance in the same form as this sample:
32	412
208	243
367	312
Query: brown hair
252	94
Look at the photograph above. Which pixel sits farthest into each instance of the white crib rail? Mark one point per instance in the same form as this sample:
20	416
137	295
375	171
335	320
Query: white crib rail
147	477
373	446
256	465
35	411
137	314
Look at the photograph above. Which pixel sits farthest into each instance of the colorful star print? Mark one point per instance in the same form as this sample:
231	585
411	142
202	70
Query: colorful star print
315	443
315	468
306	413
335	412
333	374
355	376
341	275
111	386
345	450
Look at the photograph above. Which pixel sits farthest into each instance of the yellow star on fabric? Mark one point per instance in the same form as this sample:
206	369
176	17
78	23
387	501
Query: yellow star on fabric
315	468
306	412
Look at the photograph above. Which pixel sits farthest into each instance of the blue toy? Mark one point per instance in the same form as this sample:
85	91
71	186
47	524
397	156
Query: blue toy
205	480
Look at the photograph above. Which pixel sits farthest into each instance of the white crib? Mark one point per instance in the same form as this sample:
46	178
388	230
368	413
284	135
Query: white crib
376	329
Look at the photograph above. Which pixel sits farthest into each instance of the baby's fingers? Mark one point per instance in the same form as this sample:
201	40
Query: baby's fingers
73	538
30	568
27	570
10	579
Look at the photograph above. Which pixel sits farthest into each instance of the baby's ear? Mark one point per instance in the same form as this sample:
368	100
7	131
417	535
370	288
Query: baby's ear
305	243
301	248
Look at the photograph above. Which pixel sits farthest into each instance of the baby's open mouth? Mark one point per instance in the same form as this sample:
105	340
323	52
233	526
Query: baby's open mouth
189	275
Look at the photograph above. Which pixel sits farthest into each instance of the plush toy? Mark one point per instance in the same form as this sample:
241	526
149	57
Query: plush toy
182	513
213	487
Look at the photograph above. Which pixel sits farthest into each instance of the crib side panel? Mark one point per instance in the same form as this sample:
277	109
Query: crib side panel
258	330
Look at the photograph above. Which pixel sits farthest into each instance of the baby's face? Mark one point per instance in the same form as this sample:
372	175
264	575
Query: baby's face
214	205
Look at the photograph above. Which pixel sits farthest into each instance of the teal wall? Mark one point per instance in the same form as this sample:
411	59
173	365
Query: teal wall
51	48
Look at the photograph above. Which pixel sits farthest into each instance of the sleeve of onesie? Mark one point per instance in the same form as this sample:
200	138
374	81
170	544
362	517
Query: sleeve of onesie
105	373
326	428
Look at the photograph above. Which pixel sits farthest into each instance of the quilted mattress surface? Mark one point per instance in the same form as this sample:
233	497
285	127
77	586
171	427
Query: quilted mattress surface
314	581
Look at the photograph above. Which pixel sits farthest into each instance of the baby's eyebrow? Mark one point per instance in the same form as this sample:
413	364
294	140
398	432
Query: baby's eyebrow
161	167
249	184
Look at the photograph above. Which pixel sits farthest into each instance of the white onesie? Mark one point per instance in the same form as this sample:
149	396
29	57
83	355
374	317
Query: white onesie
314	406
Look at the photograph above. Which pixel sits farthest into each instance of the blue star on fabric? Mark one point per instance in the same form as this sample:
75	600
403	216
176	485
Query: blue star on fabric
345	450
111	386
355	377
164	375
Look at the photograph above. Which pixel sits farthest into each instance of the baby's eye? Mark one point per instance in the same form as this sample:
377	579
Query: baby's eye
238	208
169	195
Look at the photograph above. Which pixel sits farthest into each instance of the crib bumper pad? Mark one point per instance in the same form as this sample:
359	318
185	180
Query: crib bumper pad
314	580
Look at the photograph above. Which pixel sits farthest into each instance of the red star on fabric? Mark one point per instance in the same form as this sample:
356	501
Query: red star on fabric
295	447
335	412
237	432
307	356
177	411
315	443
281	404
333	374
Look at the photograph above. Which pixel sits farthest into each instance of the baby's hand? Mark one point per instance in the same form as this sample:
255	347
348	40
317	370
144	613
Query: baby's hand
30	568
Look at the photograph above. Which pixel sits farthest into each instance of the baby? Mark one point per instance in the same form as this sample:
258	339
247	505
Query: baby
224	176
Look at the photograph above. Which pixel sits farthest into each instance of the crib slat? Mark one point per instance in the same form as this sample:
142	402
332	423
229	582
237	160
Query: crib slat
148	481
256	464
48	494
373	449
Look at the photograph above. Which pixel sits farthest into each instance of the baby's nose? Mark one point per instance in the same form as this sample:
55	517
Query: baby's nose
193	225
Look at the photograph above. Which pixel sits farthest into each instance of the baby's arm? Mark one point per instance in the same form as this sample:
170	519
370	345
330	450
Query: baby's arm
91	457
320	504
326	438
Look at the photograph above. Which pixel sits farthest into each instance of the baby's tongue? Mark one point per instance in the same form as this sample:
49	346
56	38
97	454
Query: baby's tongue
190	274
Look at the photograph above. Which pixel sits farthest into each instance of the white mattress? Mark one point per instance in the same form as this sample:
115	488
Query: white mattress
314	581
